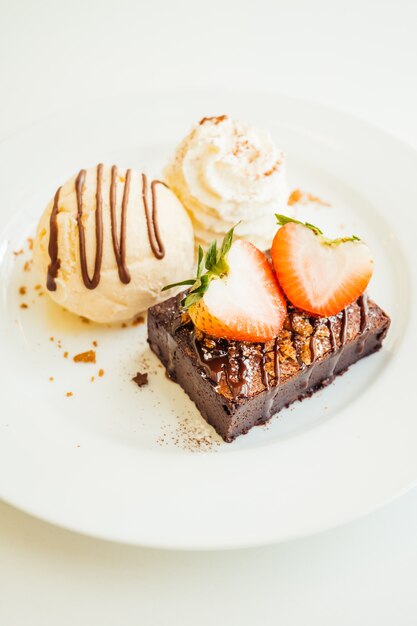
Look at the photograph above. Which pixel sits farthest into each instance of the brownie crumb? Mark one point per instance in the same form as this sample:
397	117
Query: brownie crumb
140	379
24	306
295	197
302	197
22	291
95	344
85	357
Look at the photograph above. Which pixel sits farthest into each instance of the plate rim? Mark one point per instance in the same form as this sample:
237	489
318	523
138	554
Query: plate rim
231	93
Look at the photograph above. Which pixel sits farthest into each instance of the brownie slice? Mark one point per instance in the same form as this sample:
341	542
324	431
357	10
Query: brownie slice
237	385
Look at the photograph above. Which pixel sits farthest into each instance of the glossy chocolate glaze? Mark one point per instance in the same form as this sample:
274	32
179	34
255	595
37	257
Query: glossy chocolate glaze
219	358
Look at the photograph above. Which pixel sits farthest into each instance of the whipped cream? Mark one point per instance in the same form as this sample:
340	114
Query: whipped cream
226	172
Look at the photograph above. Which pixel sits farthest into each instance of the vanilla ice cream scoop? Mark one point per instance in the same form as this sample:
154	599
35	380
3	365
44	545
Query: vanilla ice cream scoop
224	172
110	240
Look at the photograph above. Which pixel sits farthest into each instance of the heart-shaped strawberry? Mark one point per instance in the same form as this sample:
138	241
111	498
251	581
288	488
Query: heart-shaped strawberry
238	297
319	275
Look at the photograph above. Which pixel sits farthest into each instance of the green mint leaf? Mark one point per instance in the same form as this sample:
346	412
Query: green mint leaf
190	281
200	263
216	266
316	230
283	219
221	268
227	241
191	299
211	256
205	281
339	240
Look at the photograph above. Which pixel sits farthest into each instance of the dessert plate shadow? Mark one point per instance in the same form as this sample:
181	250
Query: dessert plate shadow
83	447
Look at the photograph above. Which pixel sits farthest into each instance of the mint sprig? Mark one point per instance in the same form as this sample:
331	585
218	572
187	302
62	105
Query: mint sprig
215	264
283	219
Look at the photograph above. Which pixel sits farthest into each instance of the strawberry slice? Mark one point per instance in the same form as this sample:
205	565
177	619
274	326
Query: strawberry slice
238	297
319	275
245	304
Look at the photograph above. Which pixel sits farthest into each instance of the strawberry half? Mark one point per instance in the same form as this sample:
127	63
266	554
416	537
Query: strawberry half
238	297
319	275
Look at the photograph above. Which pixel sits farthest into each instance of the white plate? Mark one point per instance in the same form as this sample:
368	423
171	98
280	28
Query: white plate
140	465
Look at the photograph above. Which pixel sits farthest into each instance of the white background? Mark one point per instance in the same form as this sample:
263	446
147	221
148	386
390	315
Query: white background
360	57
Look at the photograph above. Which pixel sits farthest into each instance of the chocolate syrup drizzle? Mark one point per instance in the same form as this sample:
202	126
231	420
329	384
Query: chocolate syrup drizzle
118	240
55	263
151	218
344	327
119	243
227	358
363	304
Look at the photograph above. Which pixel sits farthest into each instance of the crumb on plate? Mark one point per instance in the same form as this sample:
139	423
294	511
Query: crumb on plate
140	379
85	357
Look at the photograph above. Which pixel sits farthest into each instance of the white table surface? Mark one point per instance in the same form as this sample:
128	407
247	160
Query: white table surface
357	56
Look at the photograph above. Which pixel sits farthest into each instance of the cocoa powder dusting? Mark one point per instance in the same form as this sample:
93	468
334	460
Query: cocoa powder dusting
191	435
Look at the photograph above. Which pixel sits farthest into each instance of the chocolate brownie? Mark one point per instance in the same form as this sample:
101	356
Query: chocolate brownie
237	385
